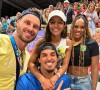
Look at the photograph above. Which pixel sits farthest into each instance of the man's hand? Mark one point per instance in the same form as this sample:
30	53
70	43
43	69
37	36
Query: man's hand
47	84
60	85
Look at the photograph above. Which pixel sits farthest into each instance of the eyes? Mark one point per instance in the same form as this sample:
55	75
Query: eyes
76	27
54	22
52	54
28	23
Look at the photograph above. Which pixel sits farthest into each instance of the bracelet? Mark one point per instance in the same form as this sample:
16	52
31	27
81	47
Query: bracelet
58	75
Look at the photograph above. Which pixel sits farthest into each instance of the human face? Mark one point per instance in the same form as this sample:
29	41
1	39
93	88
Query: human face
56	26
79	29
48	60
27	27
91	8
66	5
18	15
47	13
75	6
81	7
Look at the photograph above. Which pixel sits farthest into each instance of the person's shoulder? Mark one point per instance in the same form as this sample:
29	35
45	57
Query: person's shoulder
90	41
5	43
25	76
68	40
24	79
92	44
4	36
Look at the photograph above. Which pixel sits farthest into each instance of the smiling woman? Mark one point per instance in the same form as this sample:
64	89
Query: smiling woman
83	56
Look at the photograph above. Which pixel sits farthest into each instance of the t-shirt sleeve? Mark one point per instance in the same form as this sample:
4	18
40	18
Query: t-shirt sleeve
94	49
20	85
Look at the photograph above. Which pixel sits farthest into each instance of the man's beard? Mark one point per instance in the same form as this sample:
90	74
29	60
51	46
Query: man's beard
26	41
50	71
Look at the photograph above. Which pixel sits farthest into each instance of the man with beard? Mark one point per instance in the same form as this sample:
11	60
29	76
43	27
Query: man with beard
47	58
13	56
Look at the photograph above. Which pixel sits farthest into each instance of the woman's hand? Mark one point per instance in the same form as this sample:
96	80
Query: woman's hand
54	79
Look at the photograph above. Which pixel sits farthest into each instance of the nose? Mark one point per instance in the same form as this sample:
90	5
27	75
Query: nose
30	28
78	29
56	24
48	57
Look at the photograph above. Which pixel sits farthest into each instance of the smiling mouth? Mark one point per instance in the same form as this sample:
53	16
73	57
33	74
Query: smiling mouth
78	34
49	64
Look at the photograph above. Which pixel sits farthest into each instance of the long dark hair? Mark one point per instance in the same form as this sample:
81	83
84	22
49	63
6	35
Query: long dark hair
85	35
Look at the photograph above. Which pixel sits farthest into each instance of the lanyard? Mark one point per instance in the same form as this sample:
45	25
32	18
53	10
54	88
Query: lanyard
15	48
17	57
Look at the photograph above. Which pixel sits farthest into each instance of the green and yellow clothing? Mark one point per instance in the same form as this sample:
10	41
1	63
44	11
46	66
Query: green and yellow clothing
8	63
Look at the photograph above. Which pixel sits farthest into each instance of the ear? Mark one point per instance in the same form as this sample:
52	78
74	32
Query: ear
39	60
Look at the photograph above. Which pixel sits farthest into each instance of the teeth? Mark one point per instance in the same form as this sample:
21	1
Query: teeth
55	29
49	64
78	33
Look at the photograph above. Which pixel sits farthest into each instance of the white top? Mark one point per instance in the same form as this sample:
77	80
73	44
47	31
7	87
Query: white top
62	43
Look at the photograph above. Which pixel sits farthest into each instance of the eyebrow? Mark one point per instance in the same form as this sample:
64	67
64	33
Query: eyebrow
30	21
53	52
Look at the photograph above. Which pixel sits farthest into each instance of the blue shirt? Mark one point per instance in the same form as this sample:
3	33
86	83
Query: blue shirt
4	25
29	82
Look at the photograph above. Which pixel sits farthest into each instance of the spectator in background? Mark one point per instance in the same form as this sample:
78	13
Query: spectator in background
98	23
45	15
97	35
51	8
7	19
75	8
47	57
8	22
82	8
69	13
12	26
92	17
58	6
0	25
45	18
4	26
